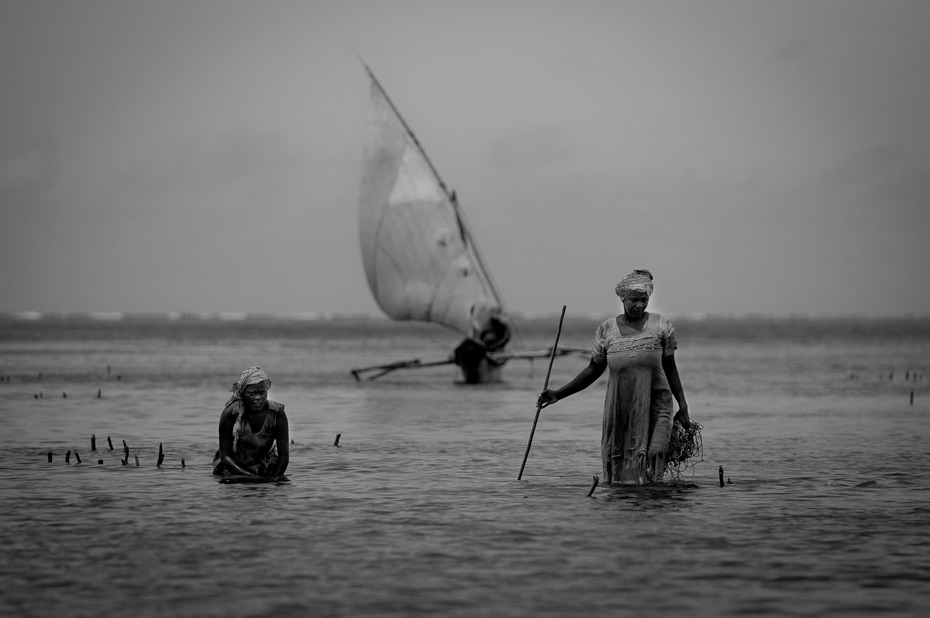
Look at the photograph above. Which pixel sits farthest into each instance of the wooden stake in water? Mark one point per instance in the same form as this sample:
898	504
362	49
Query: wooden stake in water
77	456
721	476
110	442
336	443
161	456
593	485
93	442
555	347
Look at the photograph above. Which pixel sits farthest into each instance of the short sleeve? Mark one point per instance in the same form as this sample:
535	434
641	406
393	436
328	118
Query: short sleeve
599	350
669	343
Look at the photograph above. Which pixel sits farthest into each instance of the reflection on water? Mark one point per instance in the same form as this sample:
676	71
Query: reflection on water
418	510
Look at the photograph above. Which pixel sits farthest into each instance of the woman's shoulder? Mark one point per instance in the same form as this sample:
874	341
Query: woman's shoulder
274	406
659	323
659	318
606	327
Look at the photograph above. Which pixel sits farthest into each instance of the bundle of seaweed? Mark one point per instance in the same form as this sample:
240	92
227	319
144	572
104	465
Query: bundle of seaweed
685	449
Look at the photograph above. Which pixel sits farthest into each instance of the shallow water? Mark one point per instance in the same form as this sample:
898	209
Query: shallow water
418	510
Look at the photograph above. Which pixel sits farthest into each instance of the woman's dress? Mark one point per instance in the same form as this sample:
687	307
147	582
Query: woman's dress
254	451
638	405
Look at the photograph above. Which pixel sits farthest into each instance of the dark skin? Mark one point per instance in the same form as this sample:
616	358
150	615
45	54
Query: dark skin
634	317
255	400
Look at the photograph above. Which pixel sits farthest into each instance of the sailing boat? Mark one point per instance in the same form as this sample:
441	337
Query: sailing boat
421	259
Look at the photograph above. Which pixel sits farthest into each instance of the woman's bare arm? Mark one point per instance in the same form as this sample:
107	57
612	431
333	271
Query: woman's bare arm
227	422
674	383
585	378
283	443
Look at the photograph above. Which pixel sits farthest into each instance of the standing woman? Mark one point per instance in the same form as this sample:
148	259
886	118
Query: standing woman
253	430
639	349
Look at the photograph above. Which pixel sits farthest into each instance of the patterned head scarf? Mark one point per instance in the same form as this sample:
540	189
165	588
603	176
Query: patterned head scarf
252	375
636	281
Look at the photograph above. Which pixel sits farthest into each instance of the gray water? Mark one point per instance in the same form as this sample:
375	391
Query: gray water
418	510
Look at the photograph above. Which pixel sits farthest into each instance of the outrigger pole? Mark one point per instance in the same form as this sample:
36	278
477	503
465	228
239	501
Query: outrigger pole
416	363
406	364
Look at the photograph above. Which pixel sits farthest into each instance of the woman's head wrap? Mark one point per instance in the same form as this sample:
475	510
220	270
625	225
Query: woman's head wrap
636	281
252	375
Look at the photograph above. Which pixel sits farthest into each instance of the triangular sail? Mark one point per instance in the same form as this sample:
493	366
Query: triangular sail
419	259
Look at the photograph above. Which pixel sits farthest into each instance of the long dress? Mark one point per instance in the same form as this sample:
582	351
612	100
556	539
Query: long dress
254	451
638	404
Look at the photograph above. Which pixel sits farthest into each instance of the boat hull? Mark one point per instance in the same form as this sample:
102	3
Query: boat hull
477	367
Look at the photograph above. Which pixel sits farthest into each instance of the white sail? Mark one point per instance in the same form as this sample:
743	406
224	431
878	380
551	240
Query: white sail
419	258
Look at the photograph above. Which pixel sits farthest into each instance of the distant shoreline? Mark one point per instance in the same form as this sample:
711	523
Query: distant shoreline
118	316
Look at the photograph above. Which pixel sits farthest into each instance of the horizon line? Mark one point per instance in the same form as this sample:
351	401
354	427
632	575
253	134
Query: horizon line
325	316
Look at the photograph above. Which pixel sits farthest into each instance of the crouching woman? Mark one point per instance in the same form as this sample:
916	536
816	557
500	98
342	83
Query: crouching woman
253	430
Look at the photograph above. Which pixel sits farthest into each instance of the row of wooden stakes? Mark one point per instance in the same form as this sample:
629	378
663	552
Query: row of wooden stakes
124	460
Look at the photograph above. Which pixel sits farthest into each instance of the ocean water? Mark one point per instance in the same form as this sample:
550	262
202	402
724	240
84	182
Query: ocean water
820	428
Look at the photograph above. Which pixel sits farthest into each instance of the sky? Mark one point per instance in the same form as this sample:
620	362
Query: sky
765	157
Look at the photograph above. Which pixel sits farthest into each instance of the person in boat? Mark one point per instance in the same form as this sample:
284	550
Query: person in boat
253	430
489	332
638	348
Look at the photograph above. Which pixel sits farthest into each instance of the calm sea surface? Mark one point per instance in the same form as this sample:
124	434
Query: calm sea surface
821	428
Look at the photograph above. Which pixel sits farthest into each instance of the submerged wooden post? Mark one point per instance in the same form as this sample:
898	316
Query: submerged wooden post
110	442
161	456
593	486
137	461
77	456
68	457
721	476
50	457
336	443
93	442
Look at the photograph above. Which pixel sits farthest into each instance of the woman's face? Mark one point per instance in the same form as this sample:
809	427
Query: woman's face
255	396
634	305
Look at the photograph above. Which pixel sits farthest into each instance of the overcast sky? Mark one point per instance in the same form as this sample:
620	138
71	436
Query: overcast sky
766	157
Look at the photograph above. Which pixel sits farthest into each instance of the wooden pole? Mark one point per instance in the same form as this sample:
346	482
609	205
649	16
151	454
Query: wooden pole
545	386
593	486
